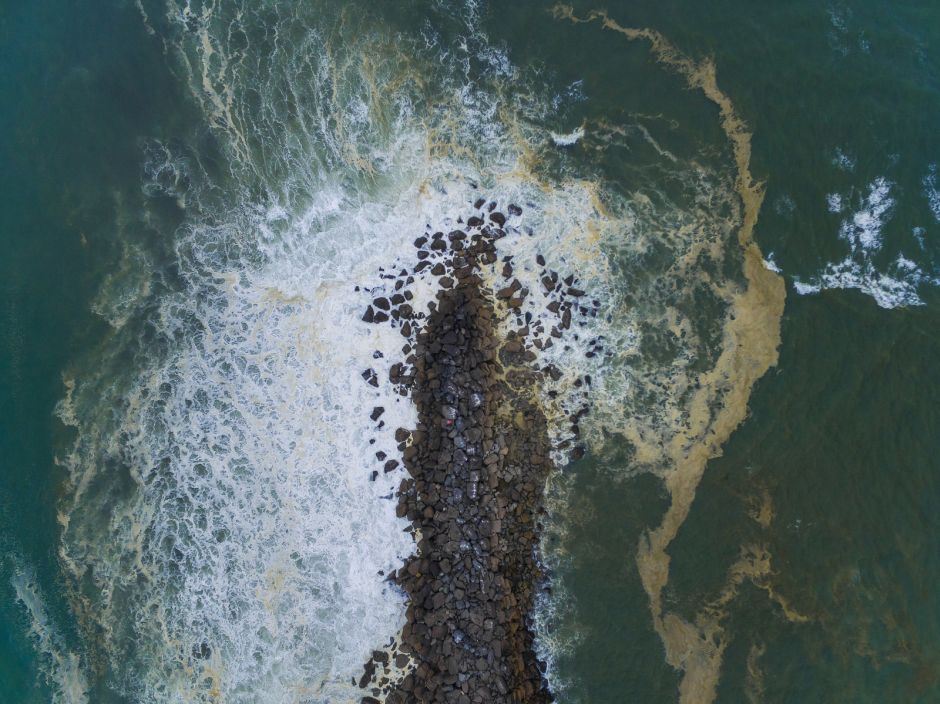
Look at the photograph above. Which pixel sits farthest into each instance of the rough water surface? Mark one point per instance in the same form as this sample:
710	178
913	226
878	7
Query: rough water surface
236	251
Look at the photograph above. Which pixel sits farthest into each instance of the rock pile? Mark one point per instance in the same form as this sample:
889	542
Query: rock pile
477	463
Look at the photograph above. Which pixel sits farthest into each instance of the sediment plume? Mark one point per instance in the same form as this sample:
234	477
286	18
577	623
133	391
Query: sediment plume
750	338
477	463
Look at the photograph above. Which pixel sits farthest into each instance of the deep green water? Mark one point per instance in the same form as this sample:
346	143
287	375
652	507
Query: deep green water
110	274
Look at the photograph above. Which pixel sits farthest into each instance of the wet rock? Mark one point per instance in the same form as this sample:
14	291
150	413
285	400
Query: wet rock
476	465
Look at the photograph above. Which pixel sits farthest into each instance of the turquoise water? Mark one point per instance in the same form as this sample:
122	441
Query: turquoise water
190	193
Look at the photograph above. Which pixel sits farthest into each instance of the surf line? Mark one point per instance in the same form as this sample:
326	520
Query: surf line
477	462
750	339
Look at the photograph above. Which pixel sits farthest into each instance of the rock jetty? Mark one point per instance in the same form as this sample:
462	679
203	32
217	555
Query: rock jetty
476	465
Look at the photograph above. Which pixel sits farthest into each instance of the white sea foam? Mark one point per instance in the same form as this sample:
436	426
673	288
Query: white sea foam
771	264
62	668
896	285
864	230
931	191
805	289
253	526
253	523
569	138
892	289
843	160
222	532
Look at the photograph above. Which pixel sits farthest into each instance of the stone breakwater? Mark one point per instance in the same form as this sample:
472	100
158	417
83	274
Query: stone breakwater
477	463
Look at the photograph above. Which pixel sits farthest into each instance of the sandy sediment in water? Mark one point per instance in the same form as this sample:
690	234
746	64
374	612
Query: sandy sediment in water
750	338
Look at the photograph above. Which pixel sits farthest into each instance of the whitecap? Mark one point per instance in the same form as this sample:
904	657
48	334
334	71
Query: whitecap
805	289
567	139
220	525
863	231
770	264
893	289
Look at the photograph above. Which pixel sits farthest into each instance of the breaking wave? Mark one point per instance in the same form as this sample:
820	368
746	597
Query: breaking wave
223	535
891	285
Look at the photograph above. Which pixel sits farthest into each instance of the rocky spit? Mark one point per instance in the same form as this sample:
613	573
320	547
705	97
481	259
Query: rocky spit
477	463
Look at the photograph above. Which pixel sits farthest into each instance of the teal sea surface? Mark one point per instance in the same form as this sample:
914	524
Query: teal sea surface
190	192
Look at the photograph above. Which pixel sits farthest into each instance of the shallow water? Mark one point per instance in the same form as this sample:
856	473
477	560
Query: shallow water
194	190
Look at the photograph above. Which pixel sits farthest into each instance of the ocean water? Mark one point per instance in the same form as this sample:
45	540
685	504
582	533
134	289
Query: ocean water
199	198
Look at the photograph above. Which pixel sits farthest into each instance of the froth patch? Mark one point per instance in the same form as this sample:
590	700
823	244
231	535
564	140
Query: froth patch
568	139
222	532
225	516
891	285
250	535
